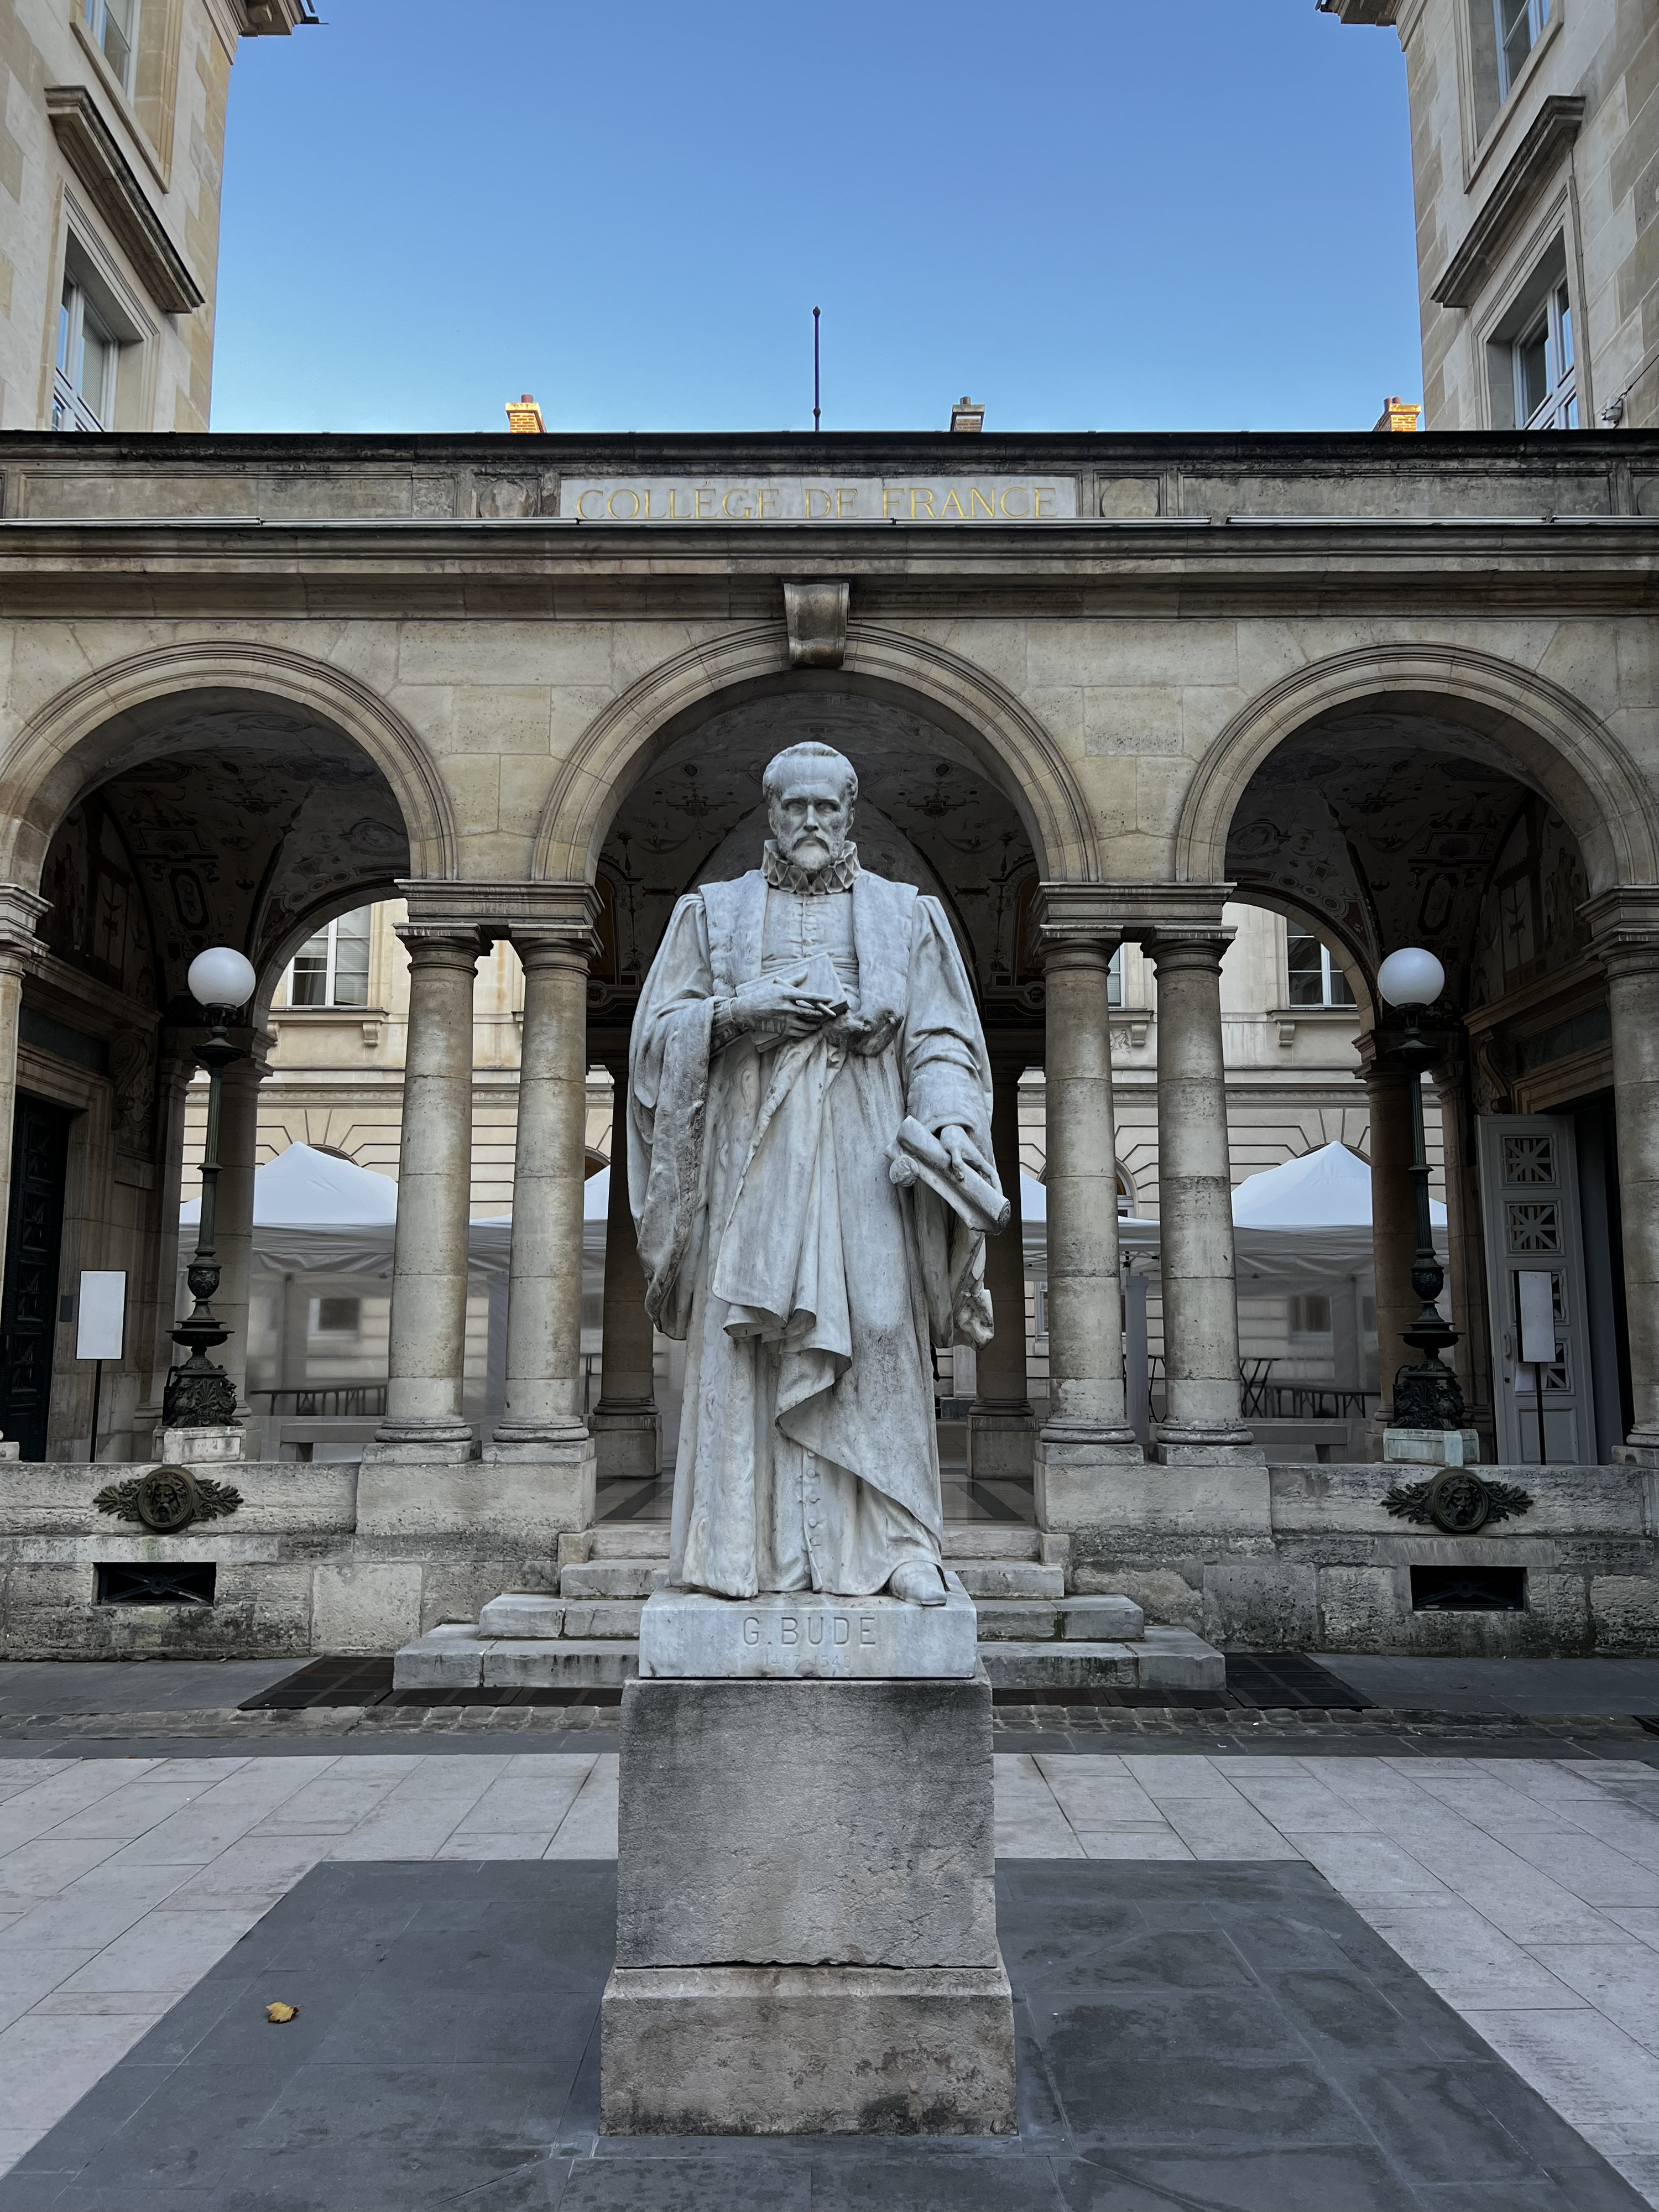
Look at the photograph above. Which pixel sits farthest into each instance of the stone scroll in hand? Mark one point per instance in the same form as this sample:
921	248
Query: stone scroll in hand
918	1156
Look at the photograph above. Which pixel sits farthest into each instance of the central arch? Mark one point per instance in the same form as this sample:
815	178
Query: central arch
623	740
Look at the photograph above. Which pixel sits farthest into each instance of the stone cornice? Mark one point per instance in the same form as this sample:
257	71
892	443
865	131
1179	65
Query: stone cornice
456	906
90	149
20	913
1551	131
1624	925
1109	914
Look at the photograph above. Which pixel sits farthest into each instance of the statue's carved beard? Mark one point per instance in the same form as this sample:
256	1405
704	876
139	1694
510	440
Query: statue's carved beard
811	849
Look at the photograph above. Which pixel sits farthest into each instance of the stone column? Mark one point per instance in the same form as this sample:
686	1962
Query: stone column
153	1346
1465	1250
1001	1437
1631	955
20	910
1394	1217
1202	1425
544	1423
1087	1432
626	1423
427	1353
238	1130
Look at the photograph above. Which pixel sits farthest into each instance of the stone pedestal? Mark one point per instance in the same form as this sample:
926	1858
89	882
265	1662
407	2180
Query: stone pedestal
806	1916
627	1446
210	1447
1001	1446
1430	1447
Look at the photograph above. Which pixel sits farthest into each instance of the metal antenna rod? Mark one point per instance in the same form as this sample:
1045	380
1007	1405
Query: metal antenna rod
815	410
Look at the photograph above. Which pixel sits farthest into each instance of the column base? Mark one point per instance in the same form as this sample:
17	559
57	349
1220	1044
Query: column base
398	1443
560	1470
807	2050
1226	1444
1000	1444
629	1442
1072	1463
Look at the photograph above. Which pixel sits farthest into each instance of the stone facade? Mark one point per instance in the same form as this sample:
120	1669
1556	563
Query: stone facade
111	151
1536	168
1392	690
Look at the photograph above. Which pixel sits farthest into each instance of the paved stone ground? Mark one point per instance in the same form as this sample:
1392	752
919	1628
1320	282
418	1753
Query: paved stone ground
1525	1892
1219	2036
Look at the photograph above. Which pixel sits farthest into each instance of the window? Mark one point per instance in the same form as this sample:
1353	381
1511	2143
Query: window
1520	25
1315	979
1114	979
1546	388
114	25
336	1317
1310	1314
332	968
84	390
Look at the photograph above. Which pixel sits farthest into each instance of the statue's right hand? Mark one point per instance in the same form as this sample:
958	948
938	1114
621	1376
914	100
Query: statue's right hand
774	1011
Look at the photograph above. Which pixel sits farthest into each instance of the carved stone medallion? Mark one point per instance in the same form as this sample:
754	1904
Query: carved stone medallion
1458	1501
167	1499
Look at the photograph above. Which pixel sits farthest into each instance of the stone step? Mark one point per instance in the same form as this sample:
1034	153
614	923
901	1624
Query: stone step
1164	1659
644	1539
592	1617
991	1578
1074	1620
980	1540
523	1612
456	1657
612	1578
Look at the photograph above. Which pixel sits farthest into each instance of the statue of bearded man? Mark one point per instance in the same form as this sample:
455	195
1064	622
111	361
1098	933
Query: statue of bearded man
809	1123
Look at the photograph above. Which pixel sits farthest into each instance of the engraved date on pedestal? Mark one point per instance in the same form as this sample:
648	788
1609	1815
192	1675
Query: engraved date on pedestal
791	1631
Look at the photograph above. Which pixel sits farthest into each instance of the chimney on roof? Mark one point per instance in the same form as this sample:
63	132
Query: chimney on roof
967	416
523	416
1399	414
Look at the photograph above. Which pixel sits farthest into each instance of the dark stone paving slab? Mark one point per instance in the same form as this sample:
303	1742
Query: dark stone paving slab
1193	2039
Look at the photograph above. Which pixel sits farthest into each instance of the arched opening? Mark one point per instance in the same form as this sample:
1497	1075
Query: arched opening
210	814
1410	819
933	810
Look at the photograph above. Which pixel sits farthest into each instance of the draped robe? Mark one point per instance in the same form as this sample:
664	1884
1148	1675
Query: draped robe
807	1286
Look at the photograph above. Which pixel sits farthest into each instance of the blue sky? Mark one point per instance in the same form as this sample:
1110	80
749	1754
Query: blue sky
1089	214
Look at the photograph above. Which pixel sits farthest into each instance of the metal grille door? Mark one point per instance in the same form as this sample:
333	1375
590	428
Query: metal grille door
1529	1205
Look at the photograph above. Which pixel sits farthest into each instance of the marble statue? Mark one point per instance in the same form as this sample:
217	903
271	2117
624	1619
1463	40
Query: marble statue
810	1168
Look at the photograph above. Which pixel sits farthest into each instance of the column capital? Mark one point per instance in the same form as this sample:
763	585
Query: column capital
447	945
1107	914
21	911
1624	925
1200	949
495	909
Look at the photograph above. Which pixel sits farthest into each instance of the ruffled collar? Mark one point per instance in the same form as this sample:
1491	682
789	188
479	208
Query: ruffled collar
784	875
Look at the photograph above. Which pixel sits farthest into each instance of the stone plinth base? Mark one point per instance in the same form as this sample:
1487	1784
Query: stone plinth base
209	1447
1073	1474
629	1445
786	2051
806	1636
1430	1447
1000	1445
806	1917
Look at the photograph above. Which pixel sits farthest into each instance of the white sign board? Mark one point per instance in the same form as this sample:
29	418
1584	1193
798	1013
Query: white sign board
819	499
1535	1288
103	1311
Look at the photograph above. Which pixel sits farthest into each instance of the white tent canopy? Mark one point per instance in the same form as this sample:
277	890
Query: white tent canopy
303	1187
1330	1188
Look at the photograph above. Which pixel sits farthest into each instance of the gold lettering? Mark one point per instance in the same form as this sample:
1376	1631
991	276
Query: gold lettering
954	506
581	504
921	492
768	513
817	491
674	514
744	513
1015	513
1042	492
698	497
887	495
976	500
847	501
624	493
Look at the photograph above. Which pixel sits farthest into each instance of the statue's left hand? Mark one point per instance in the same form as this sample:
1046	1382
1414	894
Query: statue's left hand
965	1152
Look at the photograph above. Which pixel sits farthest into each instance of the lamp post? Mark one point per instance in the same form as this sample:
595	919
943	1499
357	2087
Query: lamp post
199	1394
1427	1396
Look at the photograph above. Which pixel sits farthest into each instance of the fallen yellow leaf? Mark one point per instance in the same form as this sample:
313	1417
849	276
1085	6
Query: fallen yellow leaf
276	2013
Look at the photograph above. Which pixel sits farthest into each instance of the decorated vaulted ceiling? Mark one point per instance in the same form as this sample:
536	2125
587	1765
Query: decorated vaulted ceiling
1390	826
236	824
928	814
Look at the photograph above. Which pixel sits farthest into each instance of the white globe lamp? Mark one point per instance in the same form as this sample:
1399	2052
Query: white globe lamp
1411	977
222	977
